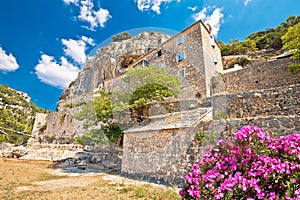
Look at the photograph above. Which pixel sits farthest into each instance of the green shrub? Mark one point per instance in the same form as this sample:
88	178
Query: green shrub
242	61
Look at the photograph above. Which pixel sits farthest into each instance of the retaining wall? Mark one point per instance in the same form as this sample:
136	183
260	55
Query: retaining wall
165	156
261	76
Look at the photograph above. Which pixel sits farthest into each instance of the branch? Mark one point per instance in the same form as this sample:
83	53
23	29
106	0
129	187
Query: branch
6	135
18	132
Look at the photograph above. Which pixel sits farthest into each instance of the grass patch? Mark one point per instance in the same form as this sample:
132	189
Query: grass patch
48	177
15	174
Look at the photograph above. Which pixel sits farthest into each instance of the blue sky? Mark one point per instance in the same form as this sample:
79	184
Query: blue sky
44	43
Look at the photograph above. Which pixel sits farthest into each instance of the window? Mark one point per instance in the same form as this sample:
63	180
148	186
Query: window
180	57
158	54
214	57
181	73
159	41
114	80
180	39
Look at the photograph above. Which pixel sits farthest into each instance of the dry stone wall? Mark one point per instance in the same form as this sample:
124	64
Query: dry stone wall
281	101
261	76
62	127
154	155
166	155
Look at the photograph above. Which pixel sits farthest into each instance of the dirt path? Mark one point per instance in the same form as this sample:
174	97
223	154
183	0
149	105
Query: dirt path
33	180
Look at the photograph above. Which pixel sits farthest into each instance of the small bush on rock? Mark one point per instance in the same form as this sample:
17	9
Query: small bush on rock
255	166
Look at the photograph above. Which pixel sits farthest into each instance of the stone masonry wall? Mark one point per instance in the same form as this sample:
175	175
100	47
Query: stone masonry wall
166	155
225	129
261	76
211	57
62	127
269	102
39	121
154	155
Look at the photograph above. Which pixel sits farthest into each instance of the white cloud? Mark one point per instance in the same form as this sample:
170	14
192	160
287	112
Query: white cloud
8	63
60	74
90	41
214	20
200	15
88	14
246	2
192	8
56	74
71	1
102	15
154	5
75	49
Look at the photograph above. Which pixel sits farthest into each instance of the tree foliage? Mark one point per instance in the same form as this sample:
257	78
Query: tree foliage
242	61
270	38
103	107
121	36
146	84
144	94
17	115
98	121
291	41
140	76
236	47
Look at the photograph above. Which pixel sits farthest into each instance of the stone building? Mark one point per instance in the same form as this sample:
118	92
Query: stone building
193	54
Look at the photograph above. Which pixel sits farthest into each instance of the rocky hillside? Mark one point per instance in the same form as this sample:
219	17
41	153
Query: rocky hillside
16	114
109	62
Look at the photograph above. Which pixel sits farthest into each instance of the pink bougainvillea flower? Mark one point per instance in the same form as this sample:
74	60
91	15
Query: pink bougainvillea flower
254	166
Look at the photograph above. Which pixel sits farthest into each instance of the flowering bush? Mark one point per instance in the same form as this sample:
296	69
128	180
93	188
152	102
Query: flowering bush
255	166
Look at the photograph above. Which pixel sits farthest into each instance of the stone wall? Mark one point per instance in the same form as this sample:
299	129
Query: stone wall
268	102
39	121
62	127
38	129
166	155
154	155
225	129
211	57
261	76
